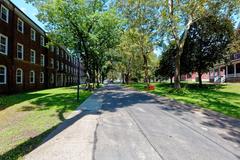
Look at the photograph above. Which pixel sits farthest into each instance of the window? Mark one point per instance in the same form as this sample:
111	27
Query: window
4	14
33	34
42	41
41	77
52	62
3	44
52	48
42	60
3	74
20	51
20	25
33	56
238	68
61	53
19	76
52	78
62	66
57	65
57	50
32	77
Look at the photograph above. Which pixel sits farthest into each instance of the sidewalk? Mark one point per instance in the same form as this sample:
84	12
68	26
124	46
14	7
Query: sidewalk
73	137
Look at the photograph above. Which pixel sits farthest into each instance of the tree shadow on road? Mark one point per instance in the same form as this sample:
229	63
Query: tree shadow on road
230	127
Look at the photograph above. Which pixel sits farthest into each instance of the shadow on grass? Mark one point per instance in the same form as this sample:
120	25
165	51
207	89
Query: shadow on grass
7	101
62	103
29	145
207	97
26	147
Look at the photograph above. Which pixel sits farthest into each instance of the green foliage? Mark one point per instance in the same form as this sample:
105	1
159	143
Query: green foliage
177	17
166	68
206	43
143	23
89	28
234	46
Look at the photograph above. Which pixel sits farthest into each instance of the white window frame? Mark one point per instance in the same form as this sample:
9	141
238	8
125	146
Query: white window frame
19	44
61	53
7	16
32	82
6	47
62	66
57	50
19	20
57	65
33	34
52	48
19	69
42	60
5	74
42	41
52	78
41	77
52	62
34	57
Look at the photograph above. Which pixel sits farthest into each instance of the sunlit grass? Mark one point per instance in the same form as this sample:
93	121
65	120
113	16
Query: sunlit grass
25	119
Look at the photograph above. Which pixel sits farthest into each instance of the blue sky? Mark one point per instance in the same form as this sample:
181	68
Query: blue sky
29	10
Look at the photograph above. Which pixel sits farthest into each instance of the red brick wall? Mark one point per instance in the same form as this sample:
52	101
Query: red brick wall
12	63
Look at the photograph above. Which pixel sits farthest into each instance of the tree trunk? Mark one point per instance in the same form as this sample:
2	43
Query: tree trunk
127	78
123	78
171	81
145	63
177	77
78	85
200	78
98	76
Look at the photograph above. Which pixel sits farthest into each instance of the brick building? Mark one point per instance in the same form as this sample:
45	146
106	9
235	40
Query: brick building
25	61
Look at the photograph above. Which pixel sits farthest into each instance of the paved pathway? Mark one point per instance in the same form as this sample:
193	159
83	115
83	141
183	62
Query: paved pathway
122	124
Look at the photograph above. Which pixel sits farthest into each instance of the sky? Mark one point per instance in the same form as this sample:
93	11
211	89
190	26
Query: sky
29	10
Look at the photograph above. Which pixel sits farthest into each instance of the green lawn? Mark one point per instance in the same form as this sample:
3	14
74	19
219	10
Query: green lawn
223	98
25	119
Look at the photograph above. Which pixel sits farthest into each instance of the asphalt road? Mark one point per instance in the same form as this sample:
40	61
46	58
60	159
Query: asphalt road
129	125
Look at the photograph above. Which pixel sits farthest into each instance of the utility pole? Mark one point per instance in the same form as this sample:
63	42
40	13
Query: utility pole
78	81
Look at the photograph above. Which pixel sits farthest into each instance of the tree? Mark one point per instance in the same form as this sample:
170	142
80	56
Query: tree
167	66
89	28
234	46
141	17
206	43
130	63
178	16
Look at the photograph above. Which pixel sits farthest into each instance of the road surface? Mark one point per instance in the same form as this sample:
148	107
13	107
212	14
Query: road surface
123	124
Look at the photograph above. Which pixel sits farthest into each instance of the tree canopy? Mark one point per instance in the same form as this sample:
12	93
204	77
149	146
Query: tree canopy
89	28
119	37
206	43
